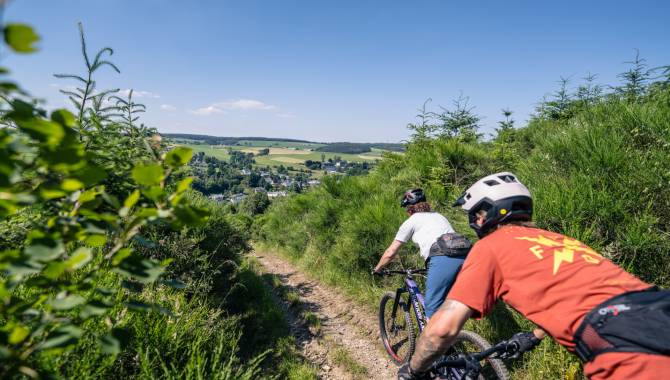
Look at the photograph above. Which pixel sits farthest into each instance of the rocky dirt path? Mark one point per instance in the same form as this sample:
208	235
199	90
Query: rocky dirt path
344	343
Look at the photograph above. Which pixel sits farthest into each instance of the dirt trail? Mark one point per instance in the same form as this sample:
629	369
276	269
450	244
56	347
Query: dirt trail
345	326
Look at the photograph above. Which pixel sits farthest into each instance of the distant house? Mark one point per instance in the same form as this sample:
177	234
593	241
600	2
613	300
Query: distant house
260	190
330	168
265	174
287	182
217	197
237	198
313	182
275	194
245	171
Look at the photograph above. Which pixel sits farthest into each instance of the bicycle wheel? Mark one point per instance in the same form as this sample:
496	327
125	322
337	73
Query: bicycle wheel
468	341
397	333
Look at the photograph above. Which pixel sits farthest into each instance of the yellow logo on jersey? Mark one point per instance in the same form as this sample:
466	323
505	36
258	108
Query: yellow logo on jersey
564	250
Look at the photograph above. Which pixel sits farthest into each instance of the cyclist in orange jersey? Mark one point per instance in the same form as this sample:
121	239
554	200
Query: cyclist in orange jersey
616	323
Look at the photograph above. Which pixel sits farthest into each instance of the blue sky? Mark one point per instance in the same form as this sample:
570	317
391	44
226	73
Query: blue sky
335	70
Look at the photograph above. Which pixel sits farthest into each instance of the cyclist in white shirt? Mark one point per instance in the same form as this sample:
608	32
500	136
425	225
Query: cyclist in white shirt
443	250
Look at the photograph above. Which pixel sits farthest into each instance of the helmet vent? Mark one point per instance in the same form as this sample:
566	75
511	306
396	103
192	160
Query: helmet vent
492	182
507	178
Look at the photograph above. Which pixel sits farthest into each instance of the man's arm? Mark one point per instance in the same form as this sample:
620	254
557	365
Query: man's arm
389	254
440	334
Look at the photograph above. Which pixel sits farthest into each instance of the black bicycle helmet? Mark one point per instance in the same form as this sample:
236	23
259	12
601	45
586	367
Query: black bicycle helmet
412	197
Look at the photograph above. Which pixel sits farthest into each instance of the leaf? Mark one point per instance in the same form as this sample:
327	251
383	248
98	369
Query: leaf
71	184
64	118
191	216
155	193
79	258
113	342
176	284
44	248
18	334
20	37
94	308
45	131
121	255
61	337
90	174
148	175
184	184
178	156
132	286
136	266
53	270
89	195
95	240
68	302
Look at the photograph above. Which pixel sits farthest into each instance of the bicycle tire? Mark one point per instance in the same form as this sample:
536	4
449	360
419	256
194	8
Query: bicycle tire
496	365
400	350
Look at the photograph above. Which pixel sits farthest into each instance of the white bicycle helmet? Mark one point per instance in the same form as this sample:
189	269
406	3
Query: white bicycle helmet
503	198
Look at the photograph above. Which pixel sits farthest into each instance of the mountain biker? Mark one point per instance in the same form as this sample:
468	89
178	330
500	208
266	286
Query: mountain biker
443	250
616	323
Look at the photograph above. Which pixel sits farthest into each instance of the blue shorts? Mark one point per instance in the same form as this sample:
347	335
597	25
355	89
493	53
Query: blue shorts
442	271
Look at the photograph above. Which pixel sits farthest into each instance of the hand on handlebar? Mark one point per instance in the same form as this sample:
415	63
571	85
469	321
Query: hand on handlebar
520	343
379	273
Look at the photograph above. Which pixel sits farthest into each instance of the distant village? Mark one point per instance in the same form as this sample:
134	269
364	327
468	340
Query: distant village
276	185
239	177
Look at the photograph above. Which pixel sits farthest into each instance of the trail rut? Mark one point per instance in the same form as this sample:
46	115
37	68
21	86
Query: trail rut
346	331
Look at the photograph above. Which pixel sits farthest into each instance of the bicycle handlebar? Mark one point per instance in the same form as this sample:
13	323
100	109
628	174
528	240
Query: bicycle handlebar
504	350
411	271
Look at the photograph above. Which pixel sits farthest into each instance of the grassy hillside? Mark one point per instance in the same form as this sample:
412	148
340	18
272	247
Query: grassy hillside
596	164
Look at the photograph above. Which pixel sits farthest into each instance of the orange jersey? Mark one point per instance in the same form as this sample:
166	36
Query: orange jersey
551	279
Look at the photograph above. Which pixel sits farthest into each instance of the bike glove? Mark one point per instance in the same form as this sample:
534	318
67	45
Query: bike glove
407	373
375	273
523	342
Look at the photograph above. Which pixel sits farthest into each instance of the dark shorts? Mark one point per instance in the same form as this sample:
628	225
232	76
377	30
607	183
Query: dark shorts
442	271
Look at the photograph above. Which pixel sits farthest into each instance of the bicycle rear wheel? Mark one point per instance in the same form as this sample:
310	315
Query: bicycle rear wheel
397	334
468	341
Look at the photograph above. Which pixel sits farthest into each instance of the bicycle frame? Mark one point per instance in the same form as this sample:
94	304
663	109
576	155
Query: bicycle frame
416	300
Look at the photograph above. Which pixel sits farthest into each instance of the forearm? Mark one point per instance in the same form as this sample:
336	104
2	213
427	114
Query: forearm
384	260
440	334
388	255
428	349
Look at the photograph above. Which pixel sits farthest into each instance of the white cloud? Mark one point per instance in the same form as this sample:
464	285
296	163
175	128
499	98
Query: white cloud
246	104
209	110
168	107
235	105
139	94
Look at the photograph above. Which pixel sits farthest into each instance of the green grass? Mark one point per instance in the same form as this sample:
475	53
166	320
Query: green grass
342	358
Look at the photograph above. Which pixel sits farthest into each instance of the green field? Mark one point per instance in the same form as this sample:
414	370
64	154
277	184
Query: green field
291	154
217	151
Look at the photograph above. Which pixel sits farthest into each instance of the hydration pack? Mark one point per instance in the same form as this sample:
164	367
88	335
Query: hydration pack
451	244
631	322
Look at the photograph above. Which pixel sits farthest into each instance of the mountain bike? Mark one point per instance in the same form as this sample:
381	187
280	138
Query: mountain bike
398	333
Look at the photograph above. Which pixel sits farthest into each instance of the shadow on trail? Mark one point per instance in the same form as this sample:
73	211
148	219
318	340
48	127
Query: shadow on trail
303	316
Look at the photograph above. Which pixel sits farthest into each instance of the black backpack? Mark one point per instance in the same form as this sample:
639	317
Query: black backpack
451	244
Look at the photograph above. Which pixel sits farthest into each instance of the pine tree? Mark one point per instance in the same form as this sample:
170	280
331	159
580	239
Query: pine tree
81	97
